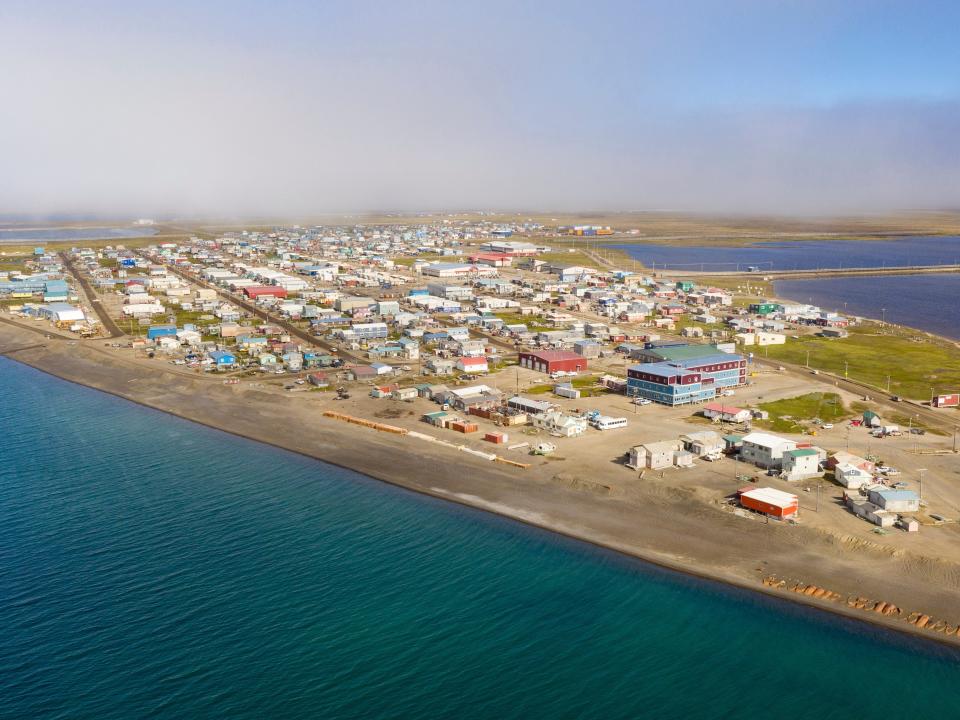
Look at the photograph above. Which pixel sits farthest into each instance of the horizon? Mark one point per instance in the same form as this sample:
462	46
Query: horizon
809	110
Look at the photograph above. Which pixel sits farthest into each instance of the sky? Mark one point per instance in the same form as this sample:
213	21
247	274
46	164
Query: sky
303	107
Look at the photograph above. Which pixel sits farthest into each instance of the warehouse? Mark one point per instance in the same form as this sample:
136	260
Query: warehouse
551	361
61	312
770	501
257	291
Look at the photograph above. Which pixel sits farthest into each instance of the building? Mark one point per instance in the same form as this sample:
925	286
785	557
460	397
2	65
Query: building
223	359
255	292
528	406
653	455
587	348
765	450
157	331
472	365
551	361
61	312
559	424
801	464
851	477
894	500
508	247
450	292
703	443
680	374
770	501
496	260
726	413
445	270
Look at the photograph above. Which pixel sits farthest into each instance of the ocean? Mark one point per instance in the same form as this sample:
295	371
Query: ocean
150	567
926	302
799	254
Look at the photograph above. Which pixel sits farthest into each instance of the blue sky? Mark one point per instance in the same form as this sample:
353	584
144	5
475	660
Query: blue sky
299	107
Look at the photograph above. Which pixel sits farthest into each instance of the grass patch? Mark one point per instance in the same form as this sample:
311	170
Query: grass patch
915	363
793	415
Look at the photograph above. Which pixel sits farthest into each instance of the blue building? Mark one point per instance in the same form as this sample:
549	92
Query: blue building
222	358
156	331
682	382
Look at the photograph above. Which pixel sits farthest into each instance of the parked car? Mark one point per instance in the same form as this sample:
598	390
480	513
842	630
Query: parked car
827	426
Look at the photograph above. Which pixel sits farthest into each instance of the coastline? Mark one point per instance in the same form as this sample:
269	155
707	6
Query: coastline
777	295
694	543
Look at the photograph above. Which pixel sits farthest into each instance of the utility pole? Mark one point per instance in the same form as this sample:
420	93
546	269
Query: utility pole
921	471
846	369
888	383
808	358
818	495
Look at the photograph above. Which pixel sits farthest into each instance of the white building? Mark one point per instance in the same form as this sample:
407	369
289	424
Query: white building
765	450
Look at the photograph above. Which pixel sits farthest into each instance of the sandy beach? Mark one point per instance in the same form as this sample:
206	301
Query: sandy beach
677	527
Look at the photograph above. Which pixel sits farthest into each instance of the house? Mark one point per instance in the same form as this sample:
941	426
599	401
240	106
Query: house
653	455
587	348
765	450
362	372
842	457
381	368
407	393
851	477
559	424
223	359
801	464
472	365
869	511
318	379
551	361
726	413
703	443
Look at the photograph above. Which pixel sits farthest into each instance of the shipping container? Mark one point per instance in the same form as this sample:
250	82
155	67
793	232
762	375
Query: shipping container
495	437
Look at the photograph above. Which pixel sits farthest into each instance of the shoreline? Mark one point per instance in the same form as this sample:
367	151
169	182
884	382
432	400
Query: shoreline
388	461
935	336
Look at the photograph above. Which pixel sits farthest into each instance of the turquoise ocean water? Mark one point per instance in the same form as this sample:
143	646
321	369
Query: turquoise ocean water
152	568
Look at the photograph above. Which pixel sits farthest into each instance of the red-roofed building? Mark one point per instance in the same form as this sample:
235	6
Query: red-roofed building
492	259
551	361
472	364
255	291
727	413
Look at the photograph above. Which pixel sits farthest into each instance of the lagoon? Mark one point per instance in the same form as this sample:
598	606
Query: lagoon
798	254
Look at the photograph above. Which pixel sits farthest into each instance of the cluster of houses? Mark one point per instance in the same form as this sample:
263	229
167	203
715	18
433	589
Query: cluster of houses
42	291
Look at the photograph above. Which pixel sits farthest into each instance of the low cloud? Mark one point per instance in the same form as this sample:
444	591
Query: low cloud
114	122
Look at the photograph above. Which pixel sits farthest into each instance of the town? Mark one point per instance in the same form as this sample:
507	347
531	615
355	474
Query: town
468	336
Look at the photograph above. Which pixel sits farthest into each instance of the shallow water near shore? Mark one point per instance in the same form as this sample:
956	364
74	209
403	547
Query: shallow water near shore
153	567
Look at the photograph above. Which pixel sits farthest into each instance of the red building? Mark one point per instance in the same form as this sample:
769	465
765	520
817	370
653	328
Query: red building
551	361
769	501
255	291
492	259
